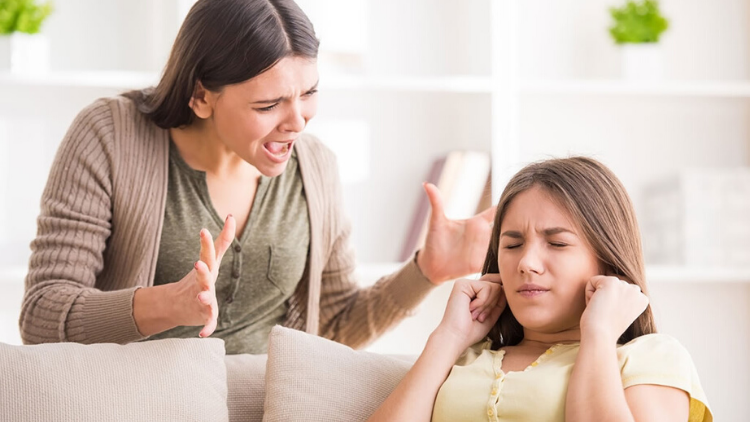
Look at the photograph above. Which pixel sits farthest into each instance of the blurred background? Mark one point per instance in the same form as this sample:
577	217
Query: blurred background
408	85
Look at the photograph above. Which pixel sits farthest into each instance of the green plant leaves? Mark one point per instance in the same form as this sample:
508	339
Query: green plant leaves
638	22
23	16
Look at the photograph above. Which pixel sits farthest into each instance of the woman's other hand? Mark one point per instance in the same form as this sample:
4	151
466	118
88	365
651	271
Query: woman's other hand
190	301
453	248
612	305
198	289
473	308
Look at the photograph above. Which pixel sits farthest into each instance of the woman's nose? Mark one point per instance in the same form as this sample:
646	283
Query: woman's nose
294	120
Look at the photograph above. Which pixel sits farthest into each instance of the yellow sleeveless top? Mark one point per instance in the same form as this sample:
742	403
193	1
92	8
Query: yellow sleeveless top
478	390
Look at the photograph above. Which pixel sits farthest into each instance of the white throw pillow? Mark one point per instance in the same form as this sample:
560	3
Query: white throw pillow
313	379
160	380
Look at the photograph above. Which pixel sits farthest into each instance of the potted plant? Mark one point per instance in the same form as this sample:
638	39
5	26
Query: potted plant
637	27
22	48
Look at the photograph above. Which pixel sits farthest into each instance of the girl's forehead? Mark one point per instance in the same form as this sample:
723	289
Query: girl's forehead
536	205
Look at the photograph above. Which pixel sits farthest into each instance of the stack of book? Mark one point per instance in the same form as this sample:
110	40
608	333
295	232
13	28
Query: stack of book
463	178
699	217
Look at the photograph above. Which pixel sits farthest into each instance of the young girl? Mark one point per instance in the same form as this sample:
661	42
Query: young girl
564	301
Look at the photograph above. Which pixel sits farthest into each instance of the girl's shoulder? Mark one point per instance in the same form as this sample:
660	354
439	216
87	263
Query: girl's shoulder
654	341
660	359
654	350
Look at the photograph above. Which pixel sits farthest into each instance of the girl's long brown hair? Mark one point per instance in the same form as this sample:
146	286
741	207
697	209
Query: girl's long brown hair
598	202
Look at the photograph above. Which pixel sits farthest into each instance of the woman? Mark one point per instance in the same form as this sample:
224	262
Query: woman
564	300
216	146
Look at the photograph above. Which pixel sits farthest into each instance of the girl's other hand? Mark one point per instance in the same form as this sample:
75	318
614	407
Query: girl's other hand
473	308
612	305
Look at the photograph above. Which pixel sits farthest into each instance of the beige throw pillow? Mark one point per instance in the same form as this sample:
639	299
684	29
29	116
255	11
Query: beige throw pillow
160	380
313	379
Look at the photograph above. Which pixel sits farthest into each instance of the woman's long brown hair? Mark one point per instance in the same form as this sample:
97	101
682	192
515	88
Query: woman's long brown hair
224	42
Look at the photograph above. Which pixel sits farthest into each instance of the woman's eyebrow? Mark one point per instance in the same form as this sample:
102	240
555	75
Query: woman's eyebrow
280	99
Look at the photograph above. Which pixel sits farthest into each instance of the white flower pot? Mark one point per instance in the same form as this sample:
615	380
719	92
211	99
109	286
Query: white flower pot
24	53
642	62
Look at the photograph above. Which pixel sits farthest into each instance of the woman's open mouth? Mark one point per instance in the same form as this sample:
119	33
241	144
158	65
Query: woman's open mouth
278	151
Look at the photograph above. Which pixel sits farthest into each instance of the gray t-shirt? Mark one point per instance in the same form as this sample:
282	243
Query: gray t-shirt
260	270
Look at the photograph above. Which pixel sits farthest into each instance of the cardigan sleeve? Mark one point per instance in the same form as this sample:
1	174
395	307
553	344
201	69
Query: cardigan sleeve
356	316
61	302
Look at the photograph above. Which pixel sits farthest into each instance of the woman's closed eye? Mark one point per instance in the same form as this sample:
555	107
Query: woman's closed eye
269	108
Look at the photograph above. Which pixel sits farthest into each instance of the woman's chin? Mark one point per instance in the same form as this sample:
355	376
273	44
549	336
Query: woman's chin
272	170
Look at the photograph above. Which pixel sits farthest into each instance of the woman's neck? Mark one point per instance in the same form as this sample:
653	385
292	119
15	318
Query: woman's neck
201	149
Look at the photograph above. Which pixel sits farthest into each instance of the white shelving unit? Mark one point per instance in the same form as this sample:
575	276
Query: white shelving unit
447	84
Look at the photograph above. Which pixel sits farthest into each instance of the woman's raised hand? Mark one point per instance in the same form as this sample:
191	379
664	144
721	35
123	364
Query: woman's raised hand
612	305
473	308
453	248
197	304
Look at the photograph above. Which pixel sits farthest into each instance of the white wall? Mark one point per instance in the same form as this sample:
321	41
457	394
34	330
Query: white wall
112	35
569	39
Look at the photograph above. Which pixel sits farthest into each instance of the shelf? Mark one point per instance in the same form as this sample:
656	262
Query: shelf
455	84
682	274
89	79
730	89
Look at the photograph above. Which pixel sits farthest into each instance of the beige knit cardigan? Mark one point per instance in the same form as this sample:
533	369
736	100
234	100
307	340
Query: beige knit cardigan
100	224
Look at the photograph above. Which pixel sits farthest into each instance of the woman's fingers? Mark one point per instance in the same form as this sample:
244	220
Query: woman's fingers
207	298
212	251
210	326
226	237
489	214
203	276
436	203
208	253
